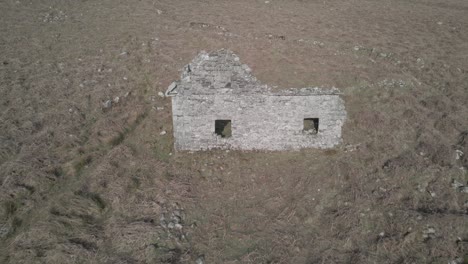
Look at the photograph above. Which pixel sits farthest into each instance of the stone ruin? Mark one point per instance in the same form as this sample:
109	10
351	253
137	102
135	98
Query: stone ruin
218	104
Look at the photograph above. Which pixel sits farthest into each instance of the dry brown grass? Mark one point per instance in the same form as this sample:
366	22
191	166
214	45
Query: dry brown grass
83	184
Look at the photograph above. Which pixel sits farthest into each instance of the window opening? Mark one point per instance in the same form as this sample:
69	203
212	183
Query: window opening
311	126
223	128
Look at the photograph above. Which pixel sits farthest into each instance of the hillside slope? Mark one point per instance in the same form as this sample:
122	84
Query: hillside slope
87	174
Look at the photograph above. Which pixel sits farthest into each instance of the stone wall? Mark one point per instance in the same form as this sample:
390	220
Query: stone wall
264	122
216	86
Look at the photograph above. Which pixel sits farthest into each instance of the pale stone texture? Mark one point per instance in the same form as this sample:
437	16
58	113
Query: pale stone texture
216	86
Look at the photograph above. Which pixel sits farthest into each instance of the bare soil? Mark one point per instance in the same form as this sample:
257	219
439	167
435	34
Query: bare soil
82	183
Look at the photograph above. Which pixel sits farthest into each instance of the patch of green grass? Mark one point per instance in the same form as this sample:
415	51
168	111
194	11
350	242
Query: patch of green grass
133	148
9	208
236	249
82	163
95	197
58	172
122	135
146	83
15	225
162	148
166	250
30	188
168	175
119	138
88	245
136	182
140	118
86	131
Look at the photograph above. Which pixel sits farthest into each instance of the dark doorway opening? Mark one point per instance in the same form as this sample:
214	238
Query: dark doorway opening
223	128
311	125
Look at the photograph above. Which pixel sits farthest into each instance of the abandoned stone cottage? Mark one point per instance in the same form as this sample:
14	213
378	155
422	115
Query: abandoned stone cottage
217	103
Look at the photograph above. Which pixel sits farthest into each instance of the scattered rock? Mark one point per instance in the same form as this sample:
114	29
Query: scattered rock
177	213
61	66
163	133
161	94
271	36
459	186
200	260
54	16
422	187
458	154
107	104
116	100
174	224
429	233
392	83
456	184
351	148
456	261
159	12
4	230
318	43
420	61
162	221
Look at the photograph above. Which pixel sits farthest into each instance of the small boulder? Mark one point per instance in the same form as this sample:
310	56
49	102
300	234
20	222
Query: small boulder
107	104
429	233
463	189
456	184
200	260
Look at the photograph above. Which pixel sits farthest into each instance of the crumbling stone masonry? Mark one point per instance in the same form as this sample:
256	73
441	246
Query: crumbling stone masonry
219	104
